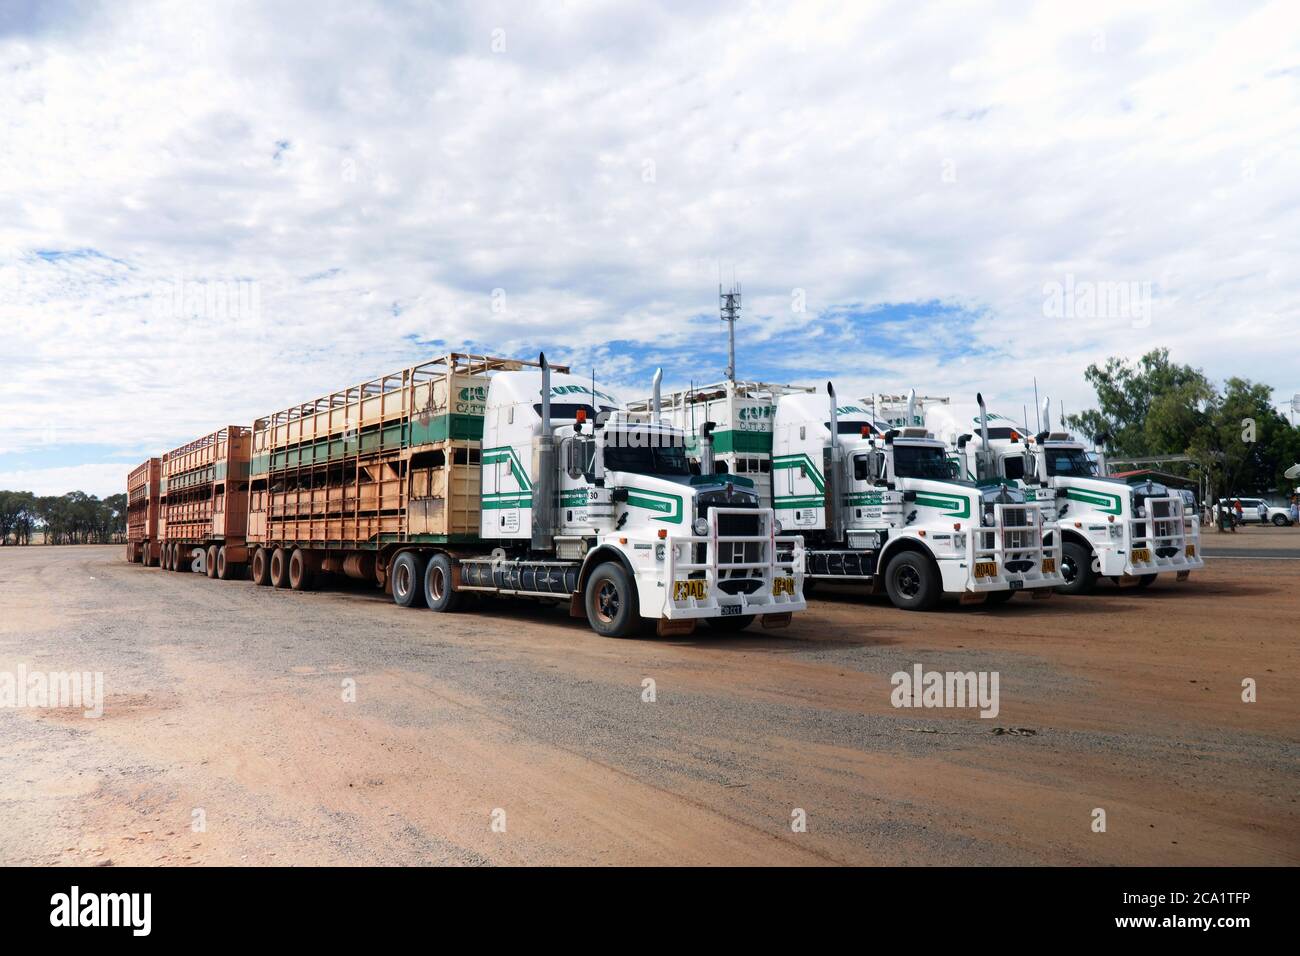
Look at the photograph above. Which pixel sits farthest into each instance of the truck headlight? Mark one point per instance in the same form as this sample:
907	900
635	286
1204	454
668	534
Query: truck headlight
701	526
986	517
777	525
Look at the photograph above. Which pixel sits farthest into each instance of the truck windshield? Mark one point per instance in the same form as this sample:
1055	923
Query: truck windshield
1070	463
669	460
923	461
1018	467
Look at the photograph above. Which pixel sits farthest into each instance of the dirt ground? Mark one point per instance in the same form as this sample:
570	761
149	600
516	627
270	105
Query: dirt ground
515	735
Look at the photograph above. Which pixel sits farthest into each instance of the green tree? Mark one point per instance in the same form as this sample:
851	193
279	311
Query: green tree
1236	438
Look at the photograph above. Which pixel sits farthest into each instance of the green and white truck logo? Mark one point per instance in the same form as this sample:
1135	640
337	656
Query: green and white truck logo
958	505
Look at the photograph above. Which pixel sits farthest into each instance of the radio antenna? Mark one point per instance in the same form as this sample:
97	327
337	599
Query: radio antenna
730	312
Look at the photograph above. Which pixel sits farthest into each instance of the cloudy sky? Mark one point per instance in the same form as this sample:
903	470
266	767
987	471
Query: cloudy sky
212	211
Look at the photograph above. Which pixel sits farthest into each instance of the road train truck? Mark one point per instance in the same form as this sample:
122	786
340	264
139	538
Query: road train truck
1108	528
886	507
469	475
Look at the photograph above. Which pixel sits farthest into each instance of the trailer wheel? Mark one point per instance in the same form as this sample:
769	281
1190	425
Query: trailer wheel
611	601
226	569
165	557
438	592
262	567
280	568
1146	581
1076	568
912	582
729	625
211	566
299	571
408	577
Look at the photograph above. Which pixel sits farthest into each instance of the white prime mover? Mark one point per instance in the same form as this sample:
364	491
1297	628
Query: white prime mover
885	506
586	501
986	446
1109	528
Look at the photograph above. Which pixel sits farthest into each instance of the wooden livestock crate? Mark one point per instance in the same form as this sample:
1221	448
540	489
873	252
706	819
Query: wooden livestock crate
206	487
391	460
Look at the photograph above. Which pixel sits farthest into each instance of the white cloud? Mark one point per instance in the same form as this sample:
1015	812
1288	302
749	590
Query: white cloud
376	171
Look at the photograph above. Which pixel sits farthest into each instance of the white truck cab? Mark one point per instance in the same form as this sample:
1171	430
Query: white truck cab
887	506
1131	533
586	500
1107	527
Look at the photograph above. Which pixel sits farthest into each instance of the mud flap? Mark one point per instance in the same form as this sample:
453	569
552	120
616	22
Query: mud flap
1127	580
1040	594
1184	575
775	620
972	597
576	608
669	628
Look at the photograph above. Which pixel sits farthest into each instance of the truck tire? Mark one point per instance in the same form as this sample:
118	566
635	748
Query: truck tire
211	559
227	570
262	567
611	601
1076	568
280	568
438	592
729	625
408	578
912	582
165	557
300	576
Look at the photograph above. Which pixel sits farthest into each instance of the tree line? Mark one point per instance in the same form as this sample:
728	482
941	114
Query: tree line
74	518
1234	437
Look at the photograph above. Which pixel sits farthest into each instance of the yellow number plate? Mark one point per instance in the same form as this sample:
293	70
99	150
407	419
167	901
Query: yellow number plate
1191	550
689	589
1142	554
1049	565
783	586
986	569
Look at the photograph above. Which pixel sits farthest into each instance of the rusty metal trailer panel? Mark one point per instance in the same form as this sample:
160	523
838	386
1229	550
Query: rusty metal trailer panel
351	475
205	503
143	485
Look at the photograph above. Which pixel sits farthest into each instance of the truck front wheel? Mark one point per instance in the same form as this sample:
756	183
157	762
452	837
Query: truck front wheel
611	601
1076	568
438	592
912	582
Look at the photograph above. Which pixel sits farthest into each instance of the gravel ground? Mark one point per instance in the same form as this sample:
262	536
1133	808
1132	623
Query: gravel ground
515	735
